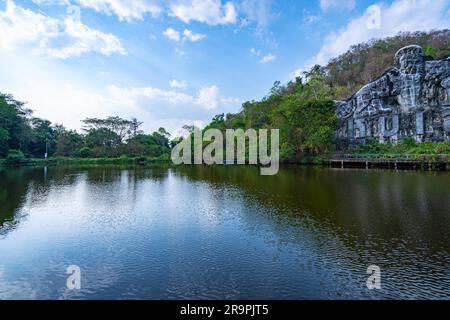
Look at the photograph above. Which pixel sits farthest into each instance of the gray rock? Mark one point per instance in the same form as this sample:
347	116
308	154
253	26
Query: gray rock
411	100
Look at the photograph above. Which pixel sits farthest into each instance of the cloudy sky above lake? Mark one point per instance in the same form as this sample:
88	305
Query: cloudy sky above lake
177	62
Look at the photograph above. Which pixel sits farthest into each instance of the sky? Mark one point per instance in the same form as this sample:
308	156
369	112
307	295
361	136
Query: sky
177	62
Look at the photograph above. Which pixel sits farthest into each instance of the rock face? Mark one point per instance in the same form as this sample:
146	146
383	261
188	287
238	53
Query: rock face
411	100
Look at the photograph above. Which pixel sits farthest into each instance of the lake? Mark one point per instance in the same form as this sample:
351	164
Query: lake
200	232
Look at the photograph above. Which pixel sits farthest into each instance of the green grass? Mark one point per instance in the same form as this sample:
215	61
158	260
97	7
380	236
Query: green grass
63	161
409	149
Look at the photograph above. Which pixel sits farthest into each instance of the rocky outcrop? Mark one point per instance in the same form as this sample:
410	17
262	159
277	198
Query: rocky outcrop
411	100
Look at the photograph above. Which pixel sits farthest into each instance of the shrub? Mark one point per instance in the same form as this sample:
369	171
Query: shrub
15	158
84	152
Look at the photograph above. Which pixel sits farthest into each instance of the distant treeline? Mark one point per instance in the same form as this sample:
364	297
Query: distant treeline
23	135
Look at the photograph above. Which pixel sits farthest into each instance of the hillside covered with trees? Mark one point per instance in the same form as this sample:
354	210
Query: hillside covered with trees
303	109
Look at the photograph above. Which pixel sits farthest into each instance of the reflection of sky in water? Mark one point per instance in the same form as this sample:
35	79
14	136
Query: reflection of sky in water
223	233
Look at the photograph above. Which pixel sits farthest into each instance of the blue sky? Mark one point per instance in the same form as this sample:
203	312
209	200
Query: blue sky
175	62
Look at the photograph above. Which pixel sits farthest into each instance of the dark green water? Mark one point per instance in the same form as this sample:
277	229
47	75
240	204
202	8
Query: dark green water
223	233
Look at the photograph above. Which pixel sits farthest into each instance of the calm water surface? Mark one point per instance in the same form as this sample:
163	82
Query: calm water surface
223	233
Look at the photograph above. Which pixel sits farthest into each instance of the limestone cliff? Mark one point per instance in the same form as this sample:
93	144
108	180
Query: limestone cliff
411	100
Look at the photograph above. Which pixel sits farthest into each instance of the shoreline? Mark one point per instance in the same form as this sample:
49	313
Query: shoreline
382	163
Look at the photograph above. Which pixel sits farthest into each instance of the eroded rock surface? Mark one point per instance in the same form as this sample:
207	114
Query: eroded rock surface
411	100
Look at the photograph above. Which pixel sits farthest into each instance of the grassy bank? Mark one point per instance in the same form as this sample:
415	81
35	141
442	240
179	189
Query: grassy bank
62	161
408	150
407	147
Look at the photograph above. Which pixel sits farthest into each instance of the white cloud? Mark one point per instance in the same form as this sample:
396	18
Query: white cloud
168	102
172	34
268	58
210	98
206	11
311	19
193	37
212	12
23	29
337	4
255	52
188	35
178	84
180	52
123	9
259	11
400	16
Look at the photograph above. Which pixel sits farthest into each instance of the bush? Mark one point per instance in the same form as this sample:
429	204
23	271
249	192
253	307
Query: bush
15	158
84	152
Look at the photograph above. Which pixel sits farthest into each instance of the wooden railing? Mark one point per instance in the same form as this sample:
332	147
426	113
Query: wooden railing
393	157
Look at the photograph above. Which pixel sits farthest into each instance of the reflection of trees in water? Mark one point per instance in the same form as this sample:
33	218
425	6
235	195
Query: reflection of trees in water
13	190
340	222
326	217
17	186
383	204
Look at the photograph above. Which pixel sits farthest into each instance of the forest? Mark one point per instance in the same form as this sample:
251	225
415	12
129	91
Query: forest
302	109
24	136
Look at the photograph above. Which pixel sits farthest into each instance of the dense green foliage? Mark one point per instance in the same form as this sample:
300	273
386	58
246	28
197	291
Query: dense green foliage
15	158
23	136
302	110
409	147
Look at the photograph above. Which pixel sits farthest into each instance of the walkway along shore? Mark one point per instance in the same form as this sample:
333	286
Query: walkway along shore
397	162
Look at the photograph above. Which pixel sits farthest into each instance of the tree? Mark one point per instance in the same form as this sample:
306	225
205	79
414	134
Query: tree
103	142
4	141
134	127
43	138
67	142
14	124
120	127
309	127
163	132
